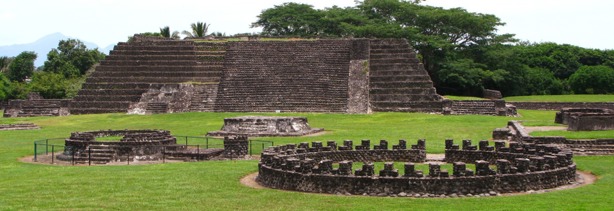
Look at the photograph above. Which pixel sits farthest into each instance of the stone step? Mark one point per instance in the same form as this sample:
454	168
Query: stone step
159	62
111	92
160	68
93	110
402	98
400	78
110	97
425	91
415	84
152	79
160	74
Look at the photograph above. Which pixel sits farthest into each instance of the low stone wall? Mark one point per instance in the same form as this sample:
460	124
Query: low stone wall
236	147
561	105
37	107
24	126
517	133
590	122
562	117
492	94
265	126
302	168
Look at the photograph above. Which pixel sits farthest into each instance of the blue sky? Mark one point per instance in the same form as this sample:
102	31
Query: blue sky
584	23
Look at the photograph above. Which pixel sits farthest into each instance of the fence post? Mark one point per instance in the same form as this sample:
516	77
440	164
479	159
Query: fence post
128	160
163	154
206	142
52	153
250	147
72	161
198	152
46	146
89	156
186	141
262	147
35	151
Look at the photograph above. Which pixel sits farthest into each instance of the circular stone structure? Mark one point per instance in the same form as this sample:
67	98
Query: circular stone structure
254	126
520	168
134	145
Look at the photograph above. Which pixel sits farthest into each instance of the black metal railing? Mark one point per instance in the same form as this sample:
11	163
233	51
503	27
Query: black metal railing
192	147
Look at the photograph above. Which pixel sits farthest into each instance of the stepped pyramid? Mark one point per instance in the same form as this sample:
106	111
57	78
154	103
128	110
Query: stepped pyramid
398	81
134	68
152	74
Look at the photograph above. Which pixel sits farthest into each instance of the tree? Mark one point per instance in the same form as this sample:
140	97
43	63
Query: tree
199	29
71	58
5	85
166	32
290	19
22	66
4	63
50	85
593	80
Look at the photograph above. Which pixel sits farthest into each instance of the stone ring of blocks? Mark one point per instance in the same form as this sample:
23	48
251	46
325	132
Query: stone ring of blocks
520	168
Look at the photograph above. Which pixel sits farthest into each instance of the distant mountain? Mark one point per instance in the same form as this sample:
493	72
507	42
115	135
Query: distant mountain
42	47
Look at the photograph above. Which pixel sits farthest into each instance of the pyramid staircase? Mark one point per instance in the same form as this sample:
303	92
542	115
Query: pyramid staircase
398	81
132	68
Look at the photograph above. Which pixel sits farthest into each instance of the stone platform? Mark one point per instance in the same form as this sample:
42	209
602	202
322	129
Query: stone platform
265	126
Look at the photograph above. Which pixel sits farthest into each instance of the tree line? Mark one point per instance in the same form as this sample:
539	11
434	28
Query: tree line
61	76
461	51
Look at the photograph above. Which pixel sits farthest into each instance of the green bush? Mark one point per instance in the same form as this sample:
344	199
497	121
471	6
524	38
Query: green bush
592	80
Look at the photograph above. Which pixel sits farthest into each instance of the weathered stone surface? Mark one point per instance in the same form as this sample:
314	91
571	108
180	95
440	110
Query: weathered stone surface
283	167
265	126
37	107
23	126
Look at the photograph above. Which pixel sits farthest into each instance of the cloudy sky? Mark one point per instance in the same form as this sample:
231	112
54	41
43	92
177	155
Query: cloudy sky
586	23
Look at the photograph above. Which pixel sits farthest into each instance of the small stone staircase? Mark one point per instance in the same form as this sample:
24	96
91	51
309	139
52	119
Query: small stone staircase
156	108
97	154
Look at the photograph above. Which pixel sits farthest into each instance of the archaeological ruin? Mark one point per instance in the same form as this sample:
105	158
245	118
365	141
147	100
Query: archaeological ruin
254	126
586	119
516	132
156	75
143	145
519	168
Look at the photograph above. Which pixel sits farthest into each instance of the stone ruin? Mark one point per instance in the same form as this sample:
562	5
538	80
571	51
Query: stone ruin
21	126
157	75
586	119
520	168
481	107
345	75
35	105
254	126
515	132
142	145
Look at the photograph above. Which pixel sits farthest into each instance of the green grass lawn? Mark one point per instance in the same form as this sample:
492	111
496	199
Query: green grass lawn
561	98
215	185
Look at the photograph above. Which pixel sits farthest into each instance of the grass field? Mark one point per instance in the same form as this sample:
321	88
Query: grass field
215	185
561	98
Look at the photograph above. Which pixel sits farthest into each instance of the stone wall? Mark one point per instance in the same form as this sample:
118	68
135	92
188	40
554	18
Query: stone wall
254	126
40	107
236	147
300	76
476	107
518	134
562	116
561	105
492	94
590	122
301	168
23	126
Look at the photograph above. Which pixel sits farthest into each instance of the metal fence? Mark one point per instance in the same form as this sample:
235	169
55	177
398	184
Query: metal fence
194	144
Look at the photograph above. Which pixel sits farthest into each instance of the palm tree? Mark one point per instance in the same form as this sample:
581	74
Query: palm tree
166	32
199	29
